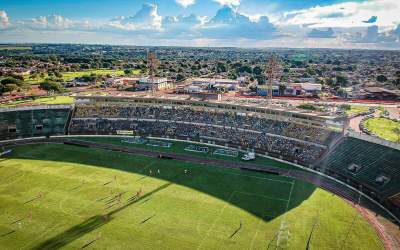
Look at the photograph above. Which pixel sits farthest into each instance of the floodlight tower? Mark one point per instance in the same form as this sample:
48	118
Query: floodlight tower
152	63
272	69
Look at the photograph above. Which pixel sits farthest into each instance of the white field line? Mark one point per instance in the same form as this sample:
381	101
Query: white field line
255	234
262	178
260	155
260	195
216	219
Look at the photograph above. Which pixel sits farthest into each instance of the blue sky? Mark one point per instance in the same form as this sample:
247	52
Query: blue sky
242	23
108	8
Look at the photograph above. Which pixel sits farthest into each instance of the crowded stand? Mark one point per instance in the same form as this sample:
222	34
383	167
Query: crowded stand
291	141
221	118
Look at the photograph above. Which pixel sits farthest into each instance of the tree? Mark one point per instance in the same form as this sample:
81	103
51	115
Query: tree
381	78
128	72
342	80
244	69
50	86
257	70
221	67
282	88
11	80
342	92
10	87
179	77
9	84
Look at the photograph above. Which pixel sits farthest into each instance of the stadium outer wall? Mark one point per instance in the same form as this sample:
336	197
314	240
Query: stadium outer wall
60	139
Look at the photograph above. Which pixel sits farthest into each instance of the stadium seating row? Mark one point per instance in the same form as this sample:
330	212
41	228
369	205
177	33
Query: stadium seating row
196	115
33	122
374	166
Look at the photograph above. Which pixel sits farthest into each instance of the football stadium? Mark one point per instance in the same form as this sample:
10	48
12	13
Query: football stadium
111	172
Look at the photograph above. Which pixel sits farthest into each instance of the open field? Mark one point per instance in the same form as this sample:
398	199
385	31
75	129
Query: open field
59	196
385	128
356	110
67	76
45	100
11	47
179	147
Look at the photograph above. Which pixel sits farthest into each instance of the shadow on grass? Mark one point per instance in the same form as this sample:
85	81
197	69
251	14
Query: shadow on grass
89	225
216	183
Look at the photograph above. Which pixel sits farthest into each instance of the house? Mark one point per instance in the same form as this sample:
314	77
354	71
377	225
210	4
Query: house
147	83
292	89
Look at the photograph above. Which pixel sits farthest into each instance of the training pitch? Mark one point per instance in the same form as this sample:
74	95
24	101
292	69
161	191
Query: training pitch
63	196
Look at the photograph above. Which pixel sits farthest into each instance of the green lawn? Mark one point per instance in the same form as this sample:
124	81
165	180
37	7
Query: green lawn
384	128
179	147
58	196
8	47
71	75
45	100
356	110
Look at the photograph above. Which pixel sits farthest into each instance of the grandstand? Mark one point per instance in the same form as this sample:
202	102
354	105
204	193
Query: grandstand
33	121
295	137
371	165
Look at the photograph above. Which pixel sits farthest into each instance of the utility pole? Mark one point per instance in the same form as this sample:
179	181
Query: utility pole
272	70
152	66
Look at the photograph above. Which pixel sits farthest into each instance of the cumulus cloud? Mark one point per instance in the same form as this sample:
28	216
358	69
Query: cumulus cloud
373	35
345	15
185	3
4	20
53	22
228	23
316	33
228	2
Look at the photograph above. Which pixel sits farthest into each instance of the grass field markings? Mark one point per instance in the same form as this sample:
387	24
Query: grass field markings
216	219
145	201
60	205
261	178
260	195
350	228
79	186
283	230
144	168
256	232
4	184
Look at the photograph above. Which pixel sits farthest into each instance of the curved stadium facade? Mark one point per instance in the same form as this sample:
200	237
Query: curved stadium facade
317	143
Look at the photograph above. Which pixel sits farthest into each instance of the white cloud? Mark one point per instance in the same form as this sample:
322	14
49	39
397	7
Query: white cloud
185	3
228	23
147	18
54	23
4	20
317	33
228	2
347	14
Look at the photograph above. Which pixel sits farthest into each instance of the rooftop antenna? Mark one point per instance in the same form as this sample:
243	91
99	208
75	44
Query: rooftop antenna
152	66
272	70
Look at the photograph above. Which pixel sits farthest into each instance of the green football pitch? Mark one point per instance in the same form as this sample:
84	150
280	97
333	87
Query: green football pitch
61	196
